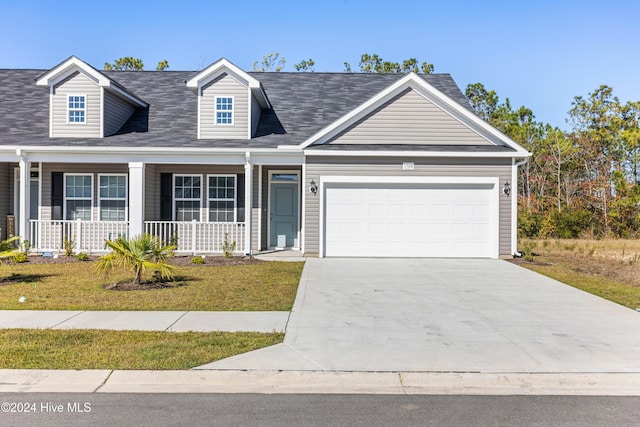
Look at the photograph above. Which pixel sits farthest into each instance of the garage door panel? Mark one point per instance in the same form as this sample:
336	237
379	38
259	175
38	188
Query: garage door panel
409	220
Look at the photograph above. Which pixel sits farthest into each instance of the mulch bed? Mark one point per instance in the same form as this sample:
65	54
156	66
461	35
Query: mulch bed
178	261
521	261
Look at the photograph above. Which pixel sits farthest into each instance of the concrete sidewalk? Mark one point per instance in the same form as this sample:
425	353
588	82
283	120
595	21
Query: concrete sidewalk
176	321
316	382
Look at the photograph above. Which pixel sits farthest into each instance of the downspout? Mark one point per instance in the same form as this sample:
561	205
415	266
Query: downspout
514	206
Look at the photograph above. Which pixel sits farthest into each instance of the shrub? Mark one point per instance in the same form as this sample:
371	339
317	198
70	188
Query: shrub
228	247
82	257
69	244
19	258
198	260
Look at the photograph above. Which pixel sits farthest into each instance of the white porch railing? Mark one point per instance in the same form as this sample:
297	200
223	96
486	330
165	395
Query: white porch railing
198	237
85	236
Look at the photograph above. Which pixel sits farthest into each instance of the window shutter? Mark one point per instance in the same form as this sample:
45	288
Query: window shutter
166	197
240	197
57	195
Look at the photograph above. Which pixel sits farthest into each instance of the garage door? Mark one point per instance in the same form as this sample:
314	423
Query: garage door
410	220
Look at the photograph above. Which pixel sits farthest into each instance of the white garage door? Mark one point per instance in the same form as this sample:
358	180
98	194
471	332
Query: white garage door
410	220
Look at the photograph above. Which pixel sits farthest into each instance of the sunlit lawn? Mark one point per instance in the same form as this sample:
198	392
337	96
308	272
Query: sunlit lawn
76	286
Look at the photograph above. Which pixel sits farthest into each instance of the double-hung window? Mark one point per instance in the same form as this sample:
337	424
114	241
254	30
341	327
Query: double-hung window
76	108
112	197
187	191
222	198
78	196
224	110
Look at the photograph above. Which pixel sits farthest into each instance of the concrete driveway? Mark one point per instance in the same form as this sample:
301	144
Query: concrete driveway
446	315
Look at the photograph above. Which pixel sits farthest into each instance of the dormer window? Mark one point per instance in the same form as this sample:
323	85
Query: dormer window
224	110
76	109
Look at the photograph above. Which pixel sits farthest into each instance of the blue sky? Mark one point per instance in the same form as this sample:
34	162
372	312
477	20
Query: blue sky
539	54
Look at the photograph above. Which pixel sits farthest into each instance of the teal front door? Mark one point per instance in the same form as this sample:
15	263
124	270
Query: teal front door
283	215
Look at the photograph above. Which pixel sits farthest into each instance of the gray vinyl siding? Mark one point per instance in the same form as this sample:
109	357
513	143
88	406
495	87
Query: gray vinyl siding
224	85
328	166
116	113
256	111
76	84
89	169
6	204
410	119
151	193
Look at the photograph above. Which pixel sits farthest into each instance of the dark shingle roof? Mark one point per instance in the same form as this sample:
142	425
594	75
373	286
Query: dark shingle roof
303	103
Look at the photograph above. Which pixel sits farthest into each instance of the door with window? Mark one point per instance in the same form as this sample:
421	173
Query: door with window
284	230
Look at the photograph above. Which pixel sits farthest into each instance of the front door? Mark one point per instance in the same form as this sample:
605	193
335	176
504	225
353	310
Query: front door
283	210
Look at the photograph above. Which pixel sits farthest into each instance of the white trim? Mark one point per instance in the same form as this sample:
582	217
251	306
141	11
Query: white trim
84	110
225	66
259	207
64	193
63	70
51	99
361	153
102	100
336	179
173	195
249	113
298	184
514	205
232	111
126	196
412	81
303	206
199	112
235	195
248	204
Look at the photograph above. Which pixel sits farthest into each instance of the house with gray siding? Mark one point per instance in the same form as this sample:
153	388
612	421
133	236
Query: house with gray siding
331	164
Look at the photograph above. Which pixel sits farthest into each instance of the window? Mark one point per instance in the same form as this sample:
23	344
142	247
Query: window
76	109
187	195
222	198
78	196
113	197
224	110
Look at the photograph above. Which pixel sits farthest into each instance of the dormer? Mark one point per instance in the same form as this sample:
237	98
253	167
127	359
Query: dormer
230	101
85	103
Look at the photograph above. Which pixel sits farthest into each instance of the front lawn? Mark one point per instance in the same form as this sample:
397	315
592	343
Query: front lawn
606	268
100	349
264	286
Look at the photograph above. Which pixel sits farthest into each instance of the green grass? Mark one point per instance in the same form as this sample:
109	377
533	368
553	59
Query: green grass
623	294
268	286
100	349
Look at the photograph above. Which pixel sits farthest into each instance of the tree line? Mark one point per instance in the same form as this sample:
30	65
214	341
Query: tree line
579	183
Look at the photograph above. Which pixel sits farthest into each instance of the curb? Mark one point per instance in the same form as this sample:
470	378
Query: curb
319	382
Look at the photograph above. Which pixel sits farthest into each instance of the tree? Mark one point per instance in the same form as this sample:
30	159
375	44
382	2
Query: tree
483	102
305	65
347	67
162	65
126	63
138	255
372	63
270	62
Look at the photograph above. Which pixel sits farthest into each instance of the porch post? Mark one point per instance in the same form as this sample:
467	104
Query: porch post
136	198
248	197
25	186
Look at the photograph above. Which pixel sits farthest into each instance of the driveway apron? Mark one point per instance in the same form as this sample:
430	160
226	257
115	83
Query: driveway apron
451	315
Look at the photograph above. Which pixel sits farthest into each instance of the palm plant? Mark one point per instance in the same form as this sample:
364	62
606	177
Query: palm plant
8	248
139	254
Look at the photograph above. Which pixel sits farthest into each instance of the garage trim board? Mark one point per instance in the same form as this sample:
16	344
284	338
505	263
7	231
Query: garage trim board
462	221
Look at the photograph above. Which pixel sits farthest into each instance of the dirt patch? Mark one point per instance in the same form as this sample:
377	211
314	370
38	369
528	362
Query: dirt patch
522	261
178	261
145	286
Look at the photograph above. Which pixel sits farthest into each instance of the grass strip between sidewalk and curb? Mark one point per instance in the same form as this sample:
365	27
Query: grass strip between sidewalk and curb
123	350
267	286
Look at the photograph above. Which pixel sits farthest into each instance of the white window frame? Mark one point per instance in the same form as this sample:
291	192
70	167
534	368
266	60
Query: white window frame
231	111
235	196
65	197
69	109
126	195
182	199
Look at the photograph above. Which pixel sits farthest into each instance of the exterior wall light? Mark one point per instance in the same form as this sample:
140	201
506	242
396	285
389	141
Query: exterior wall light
507	189
313	187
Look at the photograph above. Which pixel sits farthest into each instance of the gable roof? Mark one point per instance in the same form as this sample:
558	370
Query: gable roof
72	65
302	104
413	81
223	66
